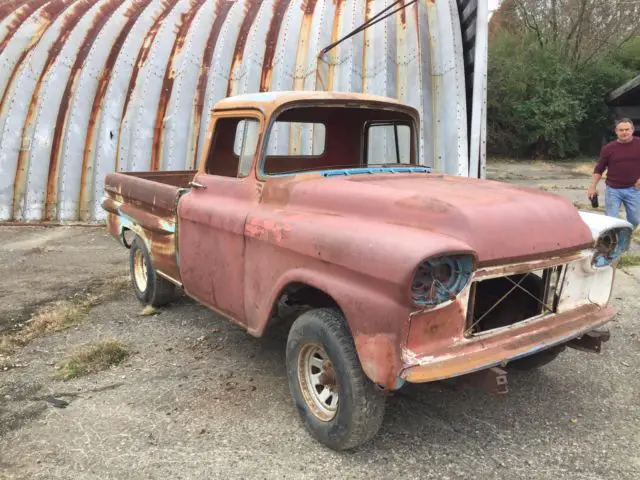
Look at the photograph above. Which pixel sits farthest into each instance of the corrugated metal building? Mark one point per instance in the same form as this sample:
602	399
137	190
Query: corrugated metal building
92	86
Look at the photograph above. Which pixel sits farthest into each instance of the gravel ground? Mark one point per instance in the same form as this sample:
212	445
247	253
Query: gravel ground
199	398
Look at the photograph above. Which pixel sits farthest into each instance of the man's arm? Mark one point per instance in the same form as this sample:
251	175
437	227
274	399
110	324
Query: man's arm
597	173
593	188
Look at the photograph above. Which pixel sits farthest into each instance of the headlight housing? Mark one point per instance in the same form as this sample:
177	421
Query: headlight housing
610	246
440	279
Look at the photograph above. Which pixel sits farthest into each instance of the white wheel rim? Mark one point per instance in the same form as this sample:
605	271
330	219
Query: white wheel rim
318	381
140	270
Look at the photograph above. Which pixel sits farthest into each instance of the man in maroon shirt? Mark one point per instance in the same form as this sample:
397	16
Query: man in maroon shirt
621	159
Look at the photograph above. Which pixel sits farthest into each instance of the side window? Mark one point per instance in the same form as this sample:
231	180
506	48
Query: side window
233	147
388	143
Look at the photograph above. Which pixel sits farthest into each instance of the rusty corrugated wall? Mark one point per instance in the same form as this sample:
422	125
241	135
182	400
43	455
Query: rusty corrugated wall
92	86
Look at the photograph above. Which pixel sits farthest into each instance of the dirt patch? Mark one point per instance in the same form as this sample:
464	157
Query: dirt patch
62	314
40	265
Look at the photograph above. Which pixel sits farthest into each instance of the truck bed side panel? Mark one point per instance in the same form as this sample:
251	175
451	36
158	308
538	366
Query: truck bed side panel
145	203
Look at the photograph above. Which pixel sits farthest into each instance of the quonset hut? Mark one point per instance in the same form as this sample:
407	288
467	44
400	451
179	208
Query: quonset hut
92	86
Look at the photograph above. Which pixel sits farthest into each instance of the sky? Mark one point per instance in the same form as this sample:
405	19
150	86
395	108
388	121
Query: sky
493	4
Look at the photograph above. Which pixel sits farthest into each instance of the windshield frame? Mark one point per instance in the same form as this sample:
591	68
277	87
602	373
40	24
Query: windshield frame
409	119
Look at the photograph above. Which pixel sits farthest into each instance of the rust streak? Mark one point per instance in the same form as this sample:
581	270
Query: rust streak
21	15
102	15
9	7
309	7
335	31
367	16
167	83
279	9
133	13
250	11
50	13
167	6
403	14
221	11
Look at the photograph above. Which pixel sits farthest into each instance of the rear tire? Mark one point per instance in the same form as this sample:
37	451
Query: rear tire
149	287
337	403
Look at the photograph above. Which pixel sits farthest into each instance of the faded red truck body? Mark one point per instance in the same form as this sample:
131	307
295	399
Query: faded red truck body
241	234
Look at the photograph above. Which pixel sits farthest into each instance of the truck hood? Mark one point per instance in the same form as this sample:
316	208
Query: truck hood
500	222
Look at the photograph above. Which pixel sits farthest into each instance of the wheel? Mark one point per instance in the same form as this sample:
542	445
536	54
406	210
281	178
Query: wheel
149	287
337	403
536	360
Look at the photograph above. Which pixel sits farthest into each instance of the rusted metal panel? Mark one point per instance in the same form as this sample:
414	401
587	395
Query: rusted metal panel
107	112
220	14
81	142
138	127
33	176
175	68
18	83
146	204
61	184
103	85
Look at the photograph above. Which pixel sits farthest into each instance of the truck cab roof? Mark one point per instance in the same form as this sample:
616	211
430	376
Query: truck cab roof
269	102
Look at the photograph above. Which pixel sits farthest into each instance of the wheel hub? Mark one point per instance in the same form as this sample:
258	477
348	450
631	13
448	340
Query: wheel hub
318	381
140	271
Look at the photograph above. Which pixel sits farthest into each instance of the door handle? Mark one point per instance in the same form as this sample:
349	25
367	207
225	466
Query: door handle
197	185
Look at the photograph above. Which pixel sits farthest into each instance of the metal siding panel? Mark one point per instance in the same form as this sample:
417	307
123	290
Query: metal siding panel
409	68
178	123
223	56
65	165
284	66
74	193
426	88
16	89
348	69
16	105
303	136
30	199
137	130
246	76
108	126
380	63
322	27
478	103
449	86
415	55
17	37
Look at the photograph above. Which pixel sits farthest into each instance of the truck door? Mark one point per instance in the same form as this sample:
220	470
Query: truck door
212	215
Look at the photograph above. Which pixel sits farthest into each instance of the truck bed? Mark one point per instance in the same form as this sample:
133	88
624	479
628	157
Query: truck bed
145	203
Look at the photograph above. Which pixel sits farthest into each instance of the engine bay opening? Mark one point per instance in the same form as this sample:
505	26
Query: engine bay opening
503	301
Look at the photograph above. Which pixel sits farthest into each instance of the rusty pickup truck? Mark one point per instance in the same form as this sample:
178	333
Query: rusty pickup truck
317	203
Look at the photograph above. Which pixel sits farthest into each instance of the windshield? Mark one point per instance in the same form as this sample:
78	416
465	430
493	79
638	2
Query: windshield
307	139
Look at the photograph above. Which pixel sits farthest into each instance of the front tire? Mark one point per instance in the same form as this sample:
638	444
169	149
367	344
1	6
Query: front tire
149	287
337	403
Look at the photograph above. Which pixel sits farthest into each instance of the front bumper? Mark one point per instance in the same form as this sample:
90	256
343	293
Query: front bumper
509	343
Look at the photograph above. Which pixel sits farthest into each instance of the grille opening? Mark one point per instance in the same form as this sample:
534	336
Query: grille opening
497	302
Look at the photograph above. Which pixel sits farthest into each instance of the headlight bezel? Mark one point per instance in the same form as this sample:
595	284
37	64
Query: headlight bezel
610	245
439	279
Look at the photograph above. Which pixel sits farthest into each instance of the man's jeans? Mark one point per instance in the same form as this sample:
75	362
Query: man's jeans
630	197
